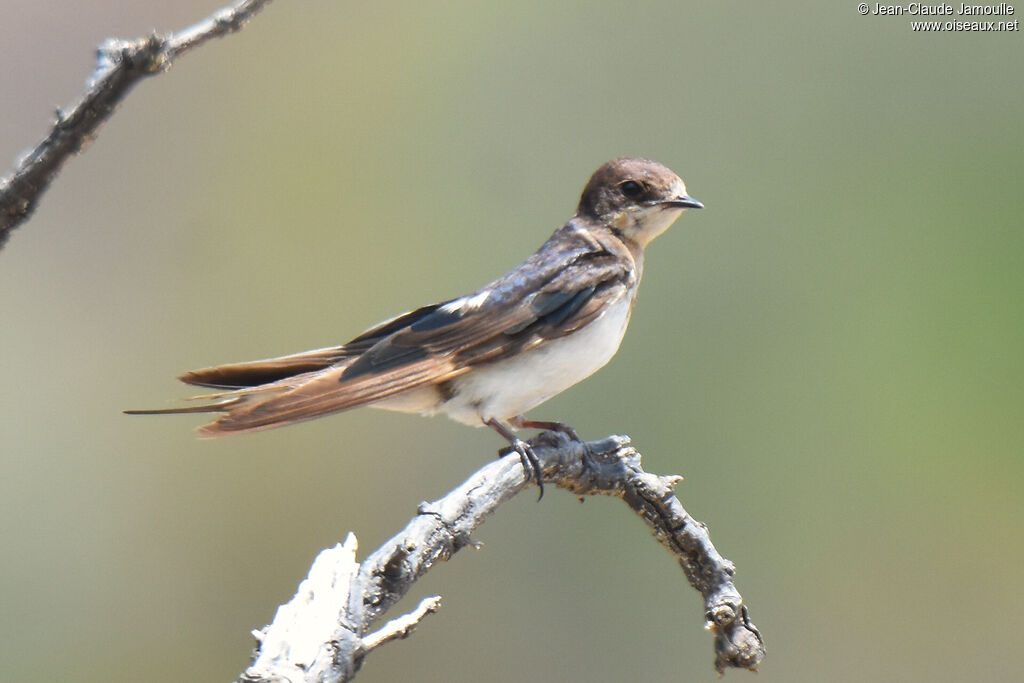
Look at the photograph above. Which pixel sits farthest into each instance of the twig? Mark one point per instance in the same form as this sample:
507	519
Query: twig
402	626
120	65
323	633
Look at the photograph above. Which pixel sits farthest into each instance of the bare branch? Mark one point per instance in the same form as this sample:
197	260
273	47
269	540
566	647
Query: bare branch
306	624
120	65
402	626
357	595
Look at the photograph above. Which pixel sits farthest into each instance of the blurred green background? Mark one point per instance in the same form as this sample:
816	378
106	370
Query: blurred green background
832	352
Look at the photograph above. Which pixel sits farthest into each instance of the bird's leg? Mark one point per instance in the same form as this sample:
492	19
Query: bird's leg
526	455
520	422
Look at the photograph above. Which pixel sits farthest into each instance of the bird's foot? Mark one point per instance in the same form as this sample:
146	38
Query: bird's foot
527	456
530	462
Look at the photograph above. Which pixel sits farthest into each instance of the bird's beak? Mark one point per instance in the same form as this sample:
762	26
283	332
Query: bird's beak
685	202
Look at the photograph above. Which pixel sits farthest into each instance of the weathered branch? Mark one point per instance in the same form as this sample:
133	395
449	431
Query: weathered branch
323	634
120	65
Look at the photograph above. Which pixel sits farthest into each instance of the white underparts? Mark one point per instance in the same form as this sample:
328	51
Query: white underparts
514	385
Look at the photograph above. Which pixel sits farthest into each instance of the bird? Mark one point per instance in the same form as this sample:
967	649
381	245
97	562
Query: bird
486	358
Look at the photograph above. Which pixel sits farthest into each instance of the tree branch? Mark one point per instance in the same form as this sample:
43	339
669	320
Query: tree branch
323	633
120	65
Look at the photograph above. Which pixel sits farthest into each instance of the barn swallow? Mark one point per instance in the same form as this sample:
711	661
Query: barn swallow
486	358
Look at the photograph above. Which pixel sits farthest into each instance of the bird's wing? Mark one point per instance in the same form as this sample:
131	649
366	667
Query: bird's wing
260	372
558	290
504	318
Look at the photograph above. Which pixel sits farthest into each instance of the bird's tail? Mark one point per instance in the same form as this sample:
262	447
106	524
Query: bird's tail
250	382
227	402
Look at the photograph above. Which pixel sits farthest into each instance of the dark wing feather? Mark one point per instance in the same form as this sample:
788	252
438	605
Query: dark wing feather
373	335
259	372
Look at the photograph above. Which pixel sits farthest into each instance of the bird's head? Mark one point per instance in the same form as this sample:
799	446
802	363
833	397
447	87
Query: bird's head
637	198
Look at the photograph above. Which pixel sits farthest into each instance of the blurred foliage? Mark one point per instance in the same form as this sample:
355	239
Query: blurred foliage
831	352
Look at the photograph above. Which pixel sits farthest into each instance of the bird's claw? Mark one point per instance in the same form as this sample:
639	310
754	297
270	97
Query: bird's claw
529	460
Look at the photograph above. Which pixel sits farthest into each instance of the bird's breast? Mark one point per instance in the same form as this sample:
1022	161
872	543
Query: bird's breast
514	385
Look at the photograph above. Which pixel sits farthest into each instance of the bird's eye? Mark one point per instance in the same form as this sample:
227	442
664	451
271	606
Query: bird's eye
632	189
